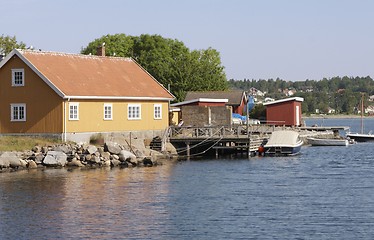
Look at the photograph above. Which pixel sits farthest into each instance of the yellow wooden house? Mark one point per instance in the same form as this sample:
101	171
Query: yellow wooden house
74	96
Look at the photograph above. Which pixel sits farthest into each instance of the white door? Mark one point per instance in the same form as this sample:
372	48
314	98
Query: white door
297	115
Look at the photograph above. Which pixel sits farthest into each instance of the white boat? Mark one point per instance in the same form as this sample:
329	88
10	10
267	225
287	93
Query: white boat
285	142
361	137
328	141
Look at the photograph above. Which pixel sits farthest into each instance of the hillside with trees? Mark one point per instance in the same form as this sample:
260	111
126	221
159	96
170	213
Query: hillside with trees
342	94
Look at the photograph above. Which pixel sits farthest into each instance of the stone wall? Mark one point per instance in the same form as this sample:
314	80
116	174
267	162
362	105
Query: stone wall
114	136
85	137
199	116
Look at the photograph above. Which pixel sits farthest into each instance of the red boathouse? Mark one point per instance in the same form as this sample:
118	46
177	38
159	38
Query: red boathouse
284	112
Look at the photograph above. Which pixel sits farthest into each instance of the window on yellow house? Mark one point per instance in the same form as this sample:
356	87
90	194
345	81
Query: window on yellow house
73	111
157	113
108	115
18	112
134	111
18	77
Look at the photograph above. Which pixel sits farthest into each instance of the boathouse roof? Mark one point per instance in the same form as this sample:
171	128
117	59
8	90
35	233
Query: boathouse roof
297	99
234	97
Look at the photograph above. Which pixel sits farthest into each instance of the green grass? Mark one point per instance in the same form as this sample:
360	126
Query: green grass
14	143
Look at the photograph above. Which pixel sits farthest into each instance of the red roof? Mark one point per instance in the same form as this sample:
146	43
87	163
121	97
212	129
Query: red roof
86	76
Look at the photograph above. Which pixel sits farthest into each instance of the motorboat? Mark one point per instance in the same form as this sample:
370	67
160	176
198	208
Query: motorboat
283	142
328	141
361	137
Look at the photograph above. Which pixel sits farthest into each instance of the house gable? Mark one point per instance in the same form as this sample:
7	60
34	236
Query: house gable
43	108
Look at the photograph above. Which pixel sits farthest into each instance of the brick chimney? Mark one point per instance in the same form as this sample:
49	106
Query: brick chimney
101	50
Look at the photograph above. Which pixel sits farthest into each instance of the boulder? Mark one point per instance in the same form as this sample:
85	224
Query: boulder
63	148
75	163
124	164
45	149
137	143
55	159
106	163
100	150
133	161
77	156
39	158
139	154
36	149
113	147
115	163
155	155
9	159
105	155
23	163
95	159
88	157
147	162
91	149
170	148
4	162
125	155
31	164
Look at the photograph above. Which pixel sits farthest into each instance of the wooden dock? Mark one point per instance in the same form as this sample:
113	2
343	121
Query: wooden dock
194	141
239	139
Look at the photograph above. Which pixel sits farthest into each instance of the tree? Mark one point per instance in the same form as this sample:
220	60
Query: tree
7	44
115	45
169	61
258	112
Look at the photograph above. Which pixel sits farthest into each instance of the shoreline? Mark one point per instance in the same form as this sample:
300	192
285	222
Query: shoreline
314	116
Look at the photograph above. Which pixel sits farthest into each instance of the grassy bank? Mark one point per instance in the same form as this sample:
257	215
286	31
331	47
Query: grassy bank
14	143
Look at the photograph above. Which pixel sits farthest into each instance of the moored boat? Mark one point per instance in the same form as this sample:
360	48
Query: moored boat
328	141
283	142
361	137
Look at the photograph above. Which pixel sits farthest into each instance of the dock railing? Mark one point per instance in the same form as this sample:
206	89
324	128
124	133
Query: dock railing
219	131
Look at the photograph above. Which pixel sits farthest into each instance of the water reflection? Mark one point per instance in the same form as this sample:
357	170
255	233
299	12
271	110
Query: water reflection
84	203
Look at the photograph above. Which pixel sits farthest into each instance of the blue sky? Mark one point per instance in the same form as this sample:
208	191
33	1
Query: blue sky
257	39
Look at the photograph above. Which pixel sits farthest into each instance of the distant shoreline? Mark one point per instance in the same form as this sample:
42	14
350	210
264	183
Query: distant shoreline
334	116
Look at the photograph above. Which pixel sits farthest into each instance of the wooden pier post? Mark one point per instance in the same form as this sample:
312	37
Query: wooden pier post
188	150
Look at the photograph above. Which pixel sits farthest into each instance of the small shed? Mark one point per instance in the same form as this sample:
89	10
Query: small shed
204	112
284	112
237	100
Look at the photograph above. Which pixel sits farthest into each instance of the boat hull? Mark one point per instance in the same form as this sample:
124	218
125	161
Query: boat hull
282	150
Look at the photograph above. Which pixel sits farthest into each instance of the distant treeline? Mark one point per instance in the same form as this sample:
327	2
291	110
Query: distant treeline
341	95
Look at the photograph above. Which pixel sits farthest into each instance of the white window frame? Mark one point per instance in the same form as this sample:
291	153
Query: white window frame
15	112
14	73
73	111
132	114
157	111
108	111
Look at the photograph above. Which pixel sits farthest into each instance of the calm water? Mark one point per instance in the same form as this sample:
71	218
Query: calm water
323	193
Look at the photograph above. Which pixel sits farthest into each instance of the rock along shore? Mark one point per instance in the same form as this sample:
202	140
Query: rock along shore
111	154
